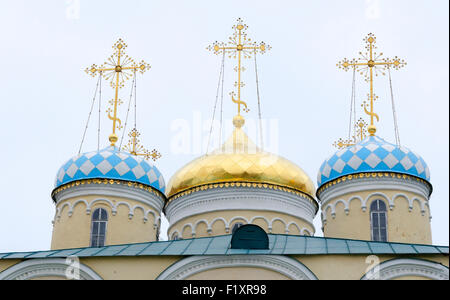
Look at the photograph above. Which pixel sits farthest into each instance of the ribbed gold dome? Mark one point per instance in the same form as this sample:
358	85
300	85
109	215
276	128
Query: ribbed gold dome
239	160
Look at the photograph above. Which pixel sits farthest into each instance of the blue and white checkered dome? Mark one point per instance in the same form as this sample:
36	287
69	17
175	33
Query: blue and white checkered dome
110	163
373	154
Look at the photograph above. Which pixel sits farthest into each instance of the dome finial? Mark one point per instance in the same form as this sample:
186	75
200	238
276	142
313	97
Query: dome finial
370	63
117	69
113	138
359	135
136	149
239	46
238	121
372	129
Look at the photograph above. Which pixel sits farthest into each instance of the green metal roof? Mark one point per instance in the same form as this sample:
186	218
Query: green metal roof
220	245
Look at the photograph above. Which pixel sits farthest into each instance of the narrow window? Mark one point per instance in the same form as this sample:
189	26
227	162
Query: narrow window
175	237
236	226
98	229
378	221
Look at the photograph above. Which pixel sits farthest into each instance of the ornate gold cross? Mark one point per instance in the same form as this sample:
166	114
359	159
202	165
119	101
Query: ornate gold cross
238	46
366	65
360	134
137	149
118	68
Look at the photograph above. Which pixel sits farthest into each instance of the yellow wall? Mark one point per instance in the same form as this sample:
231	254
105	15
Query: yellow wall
352	267
120	268
404	225
6	263
325	267
74	231
187	225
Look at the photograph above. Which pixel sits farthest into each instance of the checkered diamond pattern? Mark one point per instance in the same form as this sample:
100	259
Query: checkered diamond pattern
110	163
373	154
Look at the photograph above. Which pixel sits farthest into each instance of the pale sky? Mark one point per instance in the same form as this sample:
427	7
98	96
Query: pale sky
46	95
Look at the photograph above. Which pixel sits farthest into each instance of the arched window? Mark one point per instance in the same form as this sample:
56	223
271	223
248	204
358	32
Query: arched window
236	226
378	221
98	228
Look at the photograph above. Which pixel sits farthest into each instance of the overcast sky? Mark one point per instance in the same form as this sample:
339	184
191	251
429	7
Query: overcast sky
46	95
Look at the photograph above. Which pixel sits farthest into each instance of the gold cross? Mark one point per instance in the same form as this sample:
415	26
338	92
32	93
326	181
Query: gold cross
118	68
137	149
238	46
360	134
370	62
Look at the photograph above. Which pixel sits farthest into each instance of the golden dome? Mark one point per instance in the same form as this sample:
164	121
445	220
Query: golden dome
240	160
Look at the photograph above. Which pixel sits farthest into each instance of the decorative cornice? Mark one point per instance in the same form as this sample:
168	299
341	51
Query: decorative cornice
120	191
332	201
94	181
114	206
396	268
373	176
232	184
192	265
227	225
239	198
35	268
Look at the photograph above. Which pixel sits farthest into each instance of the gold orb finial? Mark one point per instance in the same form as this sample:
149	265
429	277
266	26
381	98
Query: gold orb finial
238	121
113	138
372	129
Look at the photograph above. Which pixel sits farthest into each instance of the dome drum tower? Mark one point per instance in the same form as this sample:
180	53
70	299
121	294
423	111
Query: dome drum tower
375	190
109	196
239	184
371	189
128	191
216	208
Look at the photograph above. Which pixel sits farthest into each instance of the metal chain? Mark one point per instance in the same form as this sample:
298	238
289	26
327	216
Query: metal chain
397	134
352	109
135	105
90	112
99	111
128	110
259	106
221	99
215	104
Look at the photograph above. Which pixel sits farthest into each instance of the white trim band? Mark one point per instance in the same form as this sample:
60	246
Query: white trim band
121	191
371	184
45	267
396	268
192	265
242	198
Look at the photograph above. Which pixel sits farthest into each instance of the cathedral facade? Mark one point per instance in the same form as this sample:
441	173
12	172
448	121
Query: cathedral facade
239	212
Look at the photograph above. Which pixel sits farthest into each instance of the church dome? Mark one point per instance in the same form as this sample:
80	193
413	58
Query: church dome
373	154
110	163
240	160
